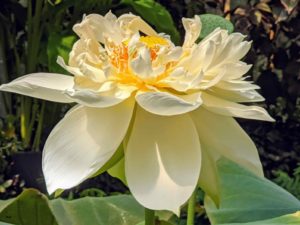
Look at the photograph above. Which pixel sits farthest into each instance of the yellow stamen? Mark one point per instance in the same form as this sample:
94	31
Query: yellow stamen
153	41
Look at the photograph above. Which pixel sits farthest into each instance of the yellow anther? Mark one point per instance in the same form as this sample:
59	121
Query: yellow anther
152	41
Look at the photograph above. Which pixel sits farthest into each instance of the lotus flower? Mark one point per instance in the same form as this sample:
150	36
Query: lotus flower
171	107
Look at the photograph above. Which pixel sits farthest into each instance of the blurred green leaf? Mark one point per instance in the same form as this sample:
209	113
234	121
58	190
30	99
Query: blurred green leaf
157	15
59	45
291	219
210	22
121	210
30	207
245	197
33	208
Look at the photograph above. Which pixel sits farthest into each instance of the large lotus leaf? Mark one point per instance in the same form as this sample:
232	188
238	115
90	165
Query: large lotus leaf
245	197
30	207
290	219
33	208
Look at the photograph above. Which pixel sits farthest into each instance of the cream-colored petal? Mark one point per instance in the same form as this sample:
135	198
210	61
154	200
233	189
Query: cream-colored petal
82	142
222	136
47	86
105	97
181	80
192	28
227	108
135	24
211	81
236	96
237	85
95	26
236	70
162	160
167	104
142	64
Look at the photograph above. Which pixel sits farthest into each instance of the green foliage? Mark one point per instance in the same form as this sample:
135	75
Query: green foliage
290	183
30	207
59	45
245	197
210	22
33	208
291	219
9	144
157	15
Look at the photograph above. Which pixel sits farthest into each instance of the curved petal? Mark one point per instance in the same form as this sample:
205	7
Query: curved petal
222	136
82	142
109	96
162	163
166	104
98	27
192	30
227	108
237	96
47	86
135	24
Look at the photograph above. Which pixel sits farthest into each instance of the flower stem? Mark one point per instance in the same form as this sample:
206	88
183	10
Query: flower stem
149	217
191	209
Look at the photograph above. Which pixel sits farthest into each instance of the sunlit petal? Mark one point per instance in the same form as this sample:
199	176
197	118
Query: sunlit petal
82	142
227	108
162	160
164	103
47	86
222	136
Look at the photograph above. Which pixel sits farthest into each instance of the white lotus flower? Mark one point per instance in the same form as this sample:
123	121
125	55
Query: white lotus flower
178	101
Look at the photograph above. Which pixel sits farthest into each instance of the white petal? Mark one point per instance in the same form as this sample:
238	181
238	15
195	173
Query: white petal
192	30
227	108
102	98
162	160
135	24
181	80
237	85
97	27
208	82
47	86
222	136
237	96
236	70
166	104
142	64
82	142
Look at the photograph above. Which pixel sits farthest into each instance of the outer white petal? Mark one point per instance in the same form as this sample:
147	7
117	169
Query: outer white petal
237	96
82	142
162	160
109	94
166	104
47	86
227	108
222	136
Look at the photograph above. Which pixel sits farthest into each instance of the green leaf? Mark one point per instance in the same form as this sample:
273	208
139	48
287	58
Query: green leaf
121	210
245	197
30	207
291	219
157	15
33	208
210	22
59	45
